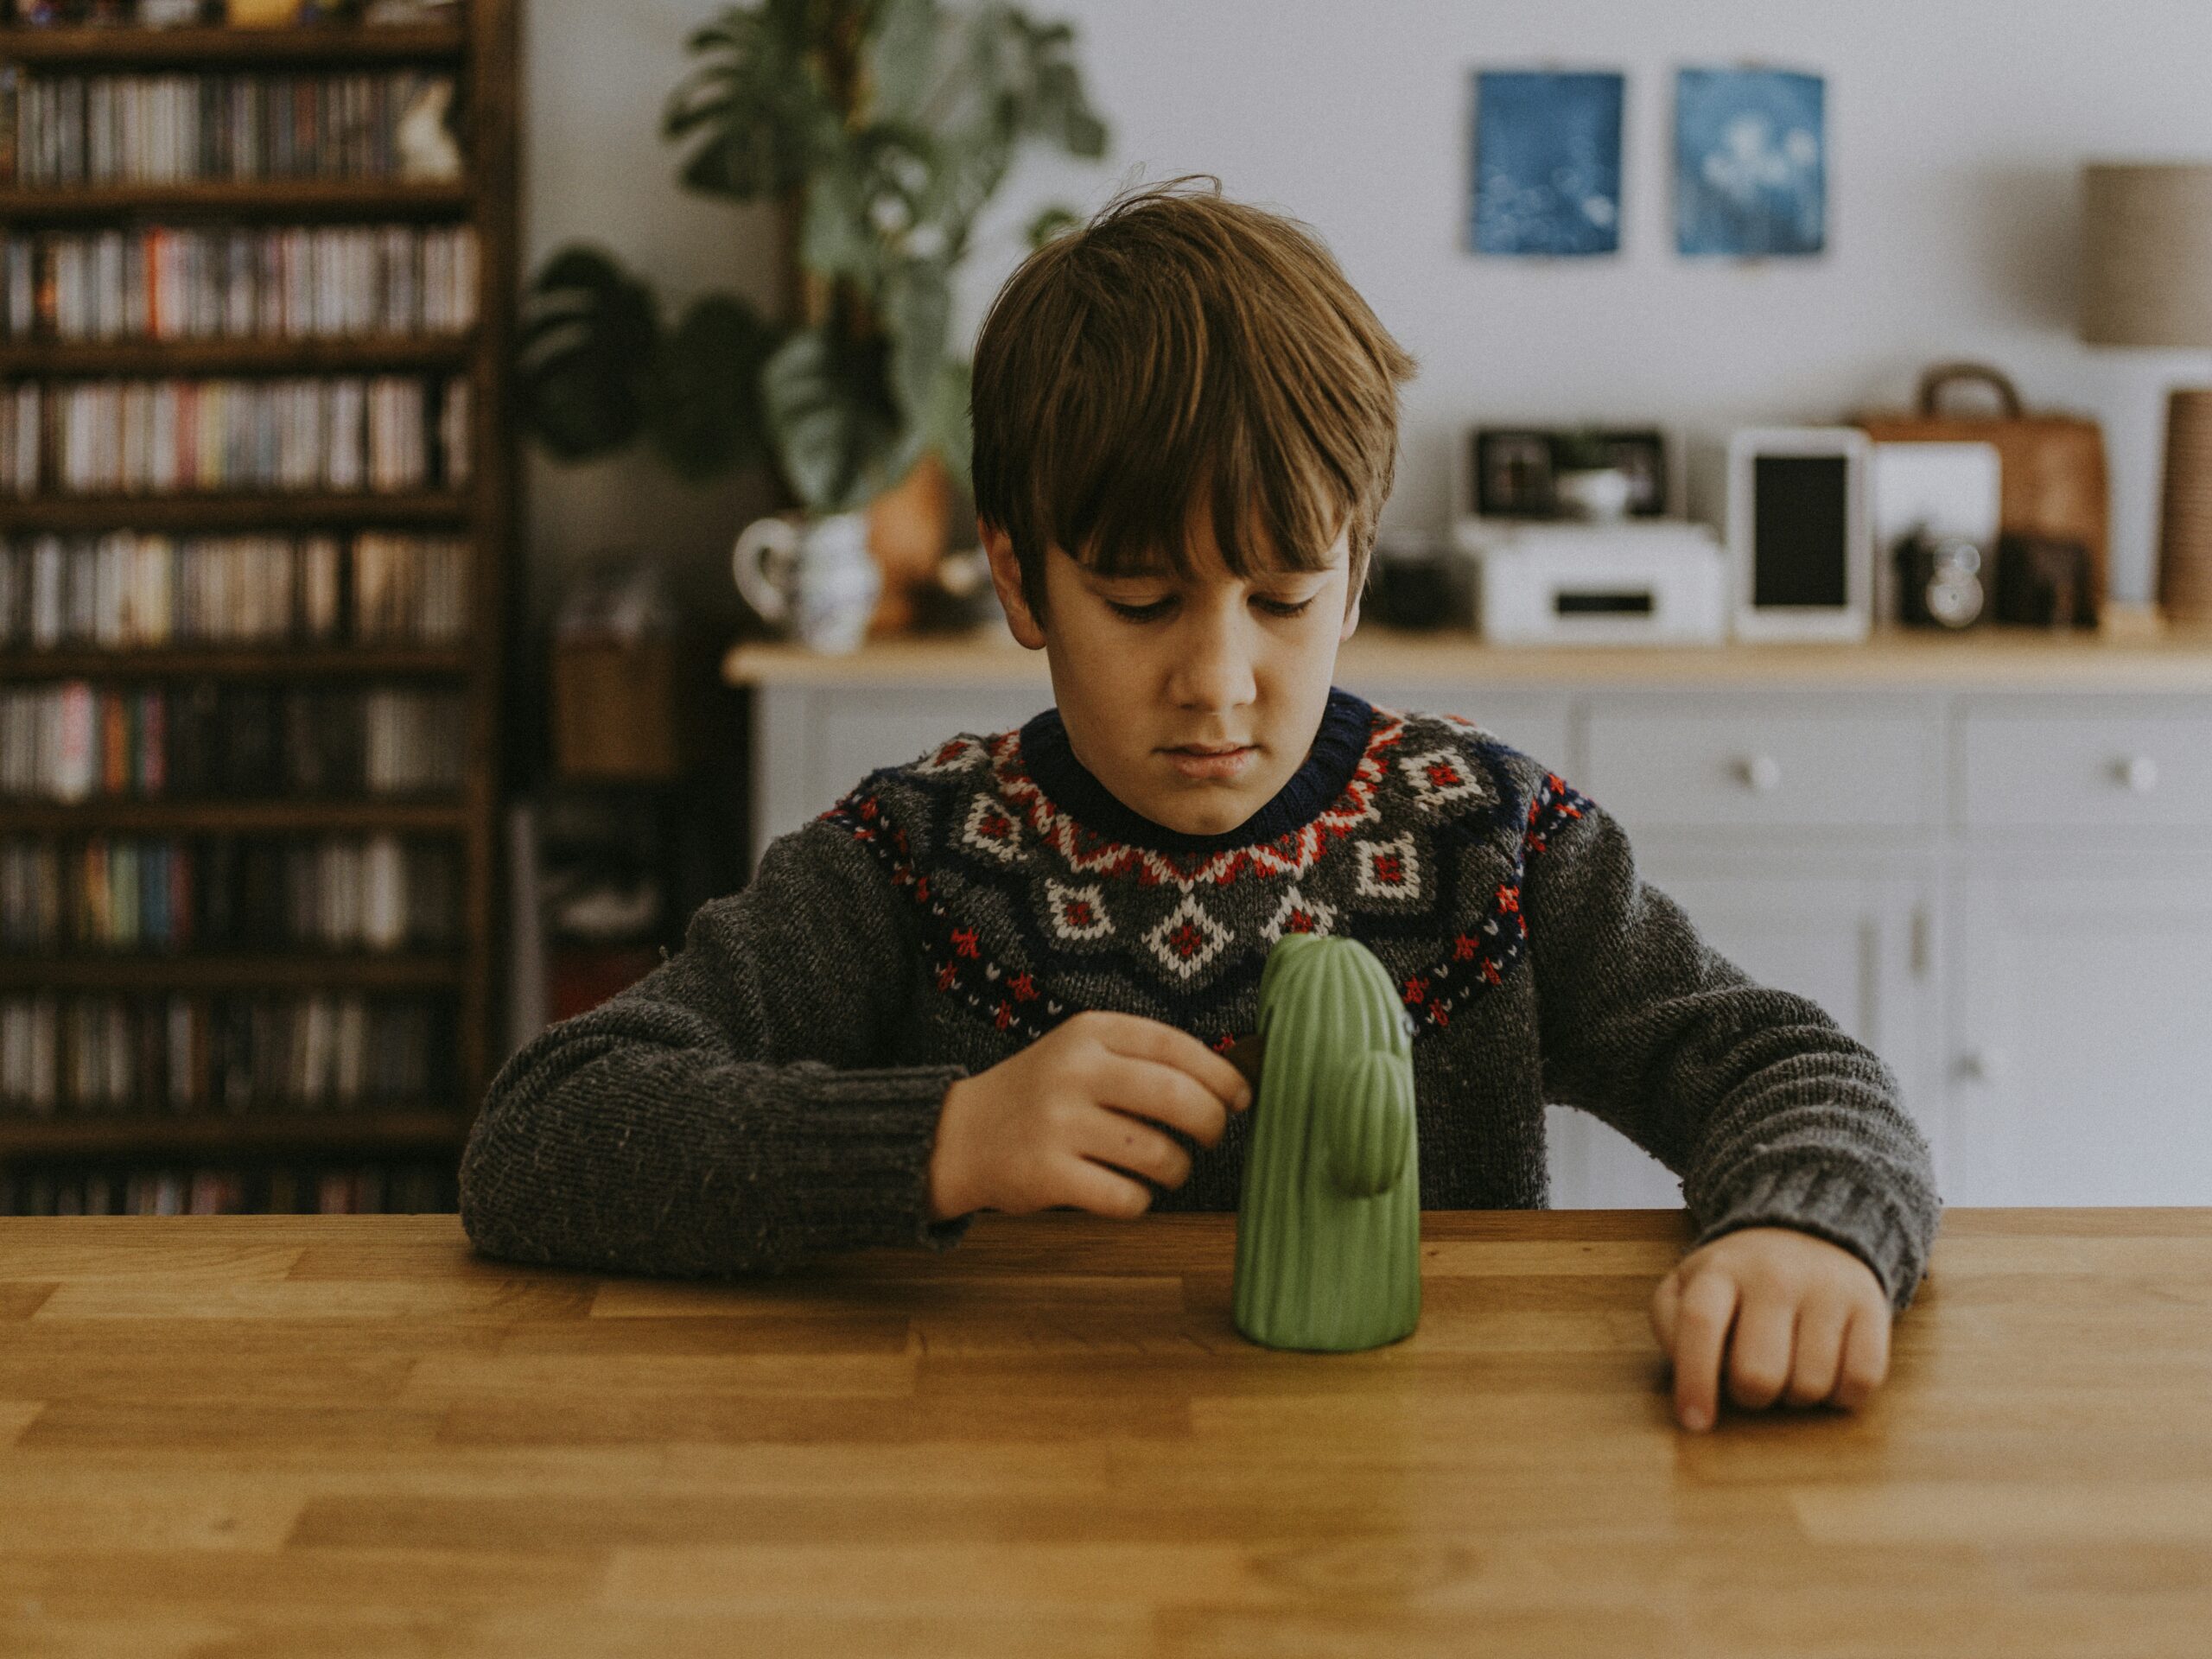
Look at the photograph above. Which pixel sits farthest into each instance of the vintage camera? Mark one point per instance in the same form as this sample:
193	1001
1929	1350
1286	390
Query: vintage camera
1939	581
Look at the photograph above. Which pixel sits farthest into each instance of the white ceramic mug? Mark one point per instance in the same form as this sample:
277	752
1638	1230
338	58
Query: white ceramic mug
815	581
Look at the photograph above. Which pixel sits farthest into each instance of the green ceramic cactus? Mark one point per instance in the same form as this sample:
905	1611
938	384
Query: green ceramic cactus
1328	1230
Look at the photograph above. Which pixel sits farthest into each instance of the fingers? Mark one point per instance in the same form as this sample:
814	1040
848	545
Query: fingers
1707	1308
1127	1143
1091	1186
1150	1088
1666	1309
1820	1322
1866	1356
1149	1039
1759	1354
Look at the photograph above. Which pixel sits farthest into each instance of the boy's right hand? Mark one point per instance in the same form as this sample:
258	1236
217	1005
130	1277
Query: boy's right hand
1041	1128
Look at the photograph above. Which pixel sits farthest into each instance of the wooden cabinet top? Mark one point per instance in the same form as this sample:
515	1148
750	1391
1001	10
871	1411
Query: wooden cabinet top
2008	658
274	1427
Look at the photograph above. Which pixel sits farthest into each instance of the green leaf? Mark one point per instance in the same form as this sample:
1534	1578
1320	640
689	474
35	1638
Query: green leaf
905	40
829	417
1049	223
951	433
707	418
834	238
942	426
584	373
917	315
755	108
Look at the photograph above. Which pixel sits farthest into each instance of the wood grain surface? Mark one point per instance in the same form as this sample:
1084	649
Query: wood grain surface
348	1435
2177	658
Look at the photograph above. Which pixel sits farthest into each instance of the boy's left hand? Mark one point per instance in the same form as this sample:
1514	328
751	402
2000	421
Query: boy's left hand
1798	1318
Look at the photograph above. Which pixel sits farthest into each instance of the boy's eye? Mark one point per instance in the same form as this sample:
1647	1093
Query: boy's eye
1141	613
1160	607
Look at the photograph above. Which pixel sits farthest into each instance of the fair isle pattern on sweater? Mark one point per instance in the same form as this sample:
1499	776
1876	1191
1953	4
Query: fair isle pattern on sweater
1011	888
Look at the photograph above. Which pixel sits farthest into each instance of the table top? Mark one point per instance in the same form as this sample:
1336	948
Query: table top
258	1433
2008	659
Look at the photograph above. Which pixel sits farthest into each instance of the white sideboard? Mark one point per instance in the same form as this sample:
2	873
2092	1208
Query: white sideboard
1990	857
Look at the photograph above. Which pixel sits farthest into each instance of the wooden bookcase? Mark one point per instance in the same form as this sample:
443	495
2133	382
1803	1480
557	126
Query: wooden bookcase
480	50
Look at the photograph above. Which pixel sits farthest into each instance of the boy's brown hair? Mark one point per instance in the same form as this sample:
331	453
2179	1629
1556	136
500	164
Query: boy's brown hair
1181	345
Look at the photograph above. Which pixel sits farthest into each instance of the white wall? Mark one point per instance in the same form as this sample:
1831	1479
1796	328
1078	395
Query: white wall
1955	127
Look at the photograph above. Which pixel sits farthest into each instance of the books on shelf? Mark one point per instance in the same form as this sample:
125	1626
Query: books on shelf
319	1186
196	283
75	741
210	865
126	590
172	13
71	131
168	1053
339	433
105	892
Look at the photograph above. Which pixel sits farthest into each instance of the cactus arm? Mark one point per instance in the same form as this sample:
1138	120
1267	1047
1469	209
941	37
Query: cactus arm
1367	1104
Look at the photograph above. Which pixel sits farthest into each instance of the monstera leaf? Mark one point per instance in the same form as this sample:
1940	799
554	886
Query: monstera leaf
756	111
831	417
586	376
708	416
883	126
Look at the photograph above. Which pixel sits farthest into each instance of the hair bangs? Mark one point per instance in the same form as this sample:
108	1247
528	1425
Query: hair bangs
1183	354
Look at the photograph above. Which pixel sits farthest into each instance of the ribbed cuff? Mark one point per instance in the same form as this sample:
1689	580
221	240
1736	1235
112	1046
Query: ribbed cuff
860	1169
1832	1205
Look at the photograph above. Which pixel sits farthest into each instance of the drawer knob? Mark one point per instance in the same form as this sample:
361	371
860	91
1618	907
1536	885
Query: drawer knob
2138	771
1760	772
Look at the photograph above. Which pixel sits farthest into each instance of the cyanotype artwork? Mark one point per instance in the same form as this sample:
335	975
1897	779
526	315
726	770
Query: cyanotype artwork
1751	162
1546	163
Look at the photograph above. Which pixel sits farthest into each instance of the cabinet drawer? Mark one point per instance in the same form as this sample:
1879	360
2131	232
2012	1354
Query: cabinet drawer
1760	768
2147	765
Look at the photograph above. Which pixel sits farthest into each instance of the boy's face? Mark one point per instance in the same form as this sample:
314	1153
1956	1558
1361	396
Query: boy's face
1194	702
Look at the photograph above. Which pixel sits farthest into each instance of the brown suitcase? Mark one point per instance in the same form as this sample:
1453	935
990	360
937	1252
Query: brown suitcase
2053	465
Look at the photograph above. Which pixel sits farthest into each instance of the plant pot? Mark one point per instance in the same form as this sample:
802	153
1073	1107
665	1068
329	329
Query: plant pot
909	533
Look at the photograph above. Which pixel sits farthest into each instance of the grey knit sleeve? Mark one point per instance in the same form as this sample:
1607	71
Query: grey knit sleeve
1769	1111
731	1110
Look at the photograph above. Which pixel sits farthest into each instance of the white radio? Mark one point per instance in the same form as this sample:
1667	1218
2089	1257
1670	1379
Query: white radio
1648	581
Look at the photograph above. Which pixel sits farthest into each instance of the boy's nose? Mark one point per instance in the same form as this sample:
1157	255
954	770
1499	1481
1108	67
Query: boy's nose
1213	667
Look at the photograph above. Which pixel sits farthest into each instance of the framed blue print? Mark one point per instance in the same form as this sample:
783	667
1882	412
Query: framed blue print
1751	162
1546	163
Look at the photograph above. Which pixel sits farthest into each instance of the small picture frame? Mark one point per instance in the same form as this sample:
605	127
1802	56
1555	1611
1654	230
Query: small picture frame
1510	470
1799	535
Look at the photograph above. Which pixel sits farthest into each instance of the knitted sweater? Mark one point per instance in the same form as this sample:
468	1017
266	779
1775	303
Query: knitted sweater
773	1088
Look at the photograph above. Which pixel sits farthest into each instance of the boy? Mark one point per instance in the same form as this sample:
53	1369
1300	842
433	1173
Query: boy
999	978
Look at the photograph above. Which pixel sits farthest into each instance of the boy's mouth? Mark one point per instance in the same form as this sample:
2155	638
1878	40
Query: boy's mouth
1211	759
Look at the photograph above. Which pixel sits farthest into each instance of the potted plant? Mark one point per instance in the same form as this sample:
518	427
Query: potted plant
878	129
1587	479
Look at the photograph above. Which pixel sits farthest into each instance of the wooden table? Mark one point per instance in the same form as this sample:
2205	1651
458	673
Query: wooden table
348	1435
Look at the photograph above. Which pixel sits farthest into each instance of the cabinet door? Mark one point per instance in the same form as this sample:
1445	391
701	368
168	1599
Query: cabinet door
810	744
1859	946
2079	1055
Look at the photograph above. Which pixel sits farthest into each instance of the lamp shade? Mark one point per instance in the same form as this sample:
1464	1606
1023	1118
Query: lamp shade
2146	254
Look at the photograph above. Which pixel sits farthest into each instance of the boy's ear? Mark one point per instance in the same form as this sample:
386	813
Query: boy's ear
1351	617
1005	577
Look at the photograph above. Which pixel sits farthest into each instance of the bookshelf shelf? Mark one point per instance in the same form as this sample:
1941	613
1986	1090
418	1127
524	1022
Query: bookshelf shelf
70	358
242	818
81	1001
366	199
340	1128
241	972
125	48
231	662
266	510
